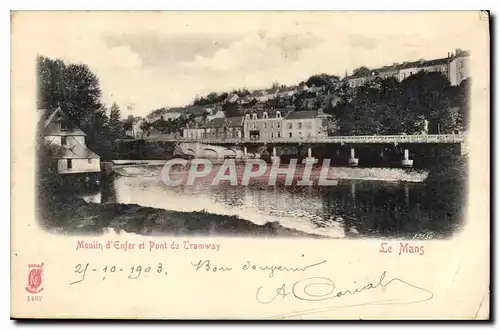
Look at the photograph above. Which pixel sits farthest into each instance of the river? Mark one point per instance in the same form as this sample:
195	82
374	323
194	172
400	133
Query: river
351	208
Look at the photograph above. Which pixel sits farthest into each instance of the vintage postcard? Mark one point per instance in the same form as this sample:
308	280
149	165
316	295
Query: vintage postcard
250	165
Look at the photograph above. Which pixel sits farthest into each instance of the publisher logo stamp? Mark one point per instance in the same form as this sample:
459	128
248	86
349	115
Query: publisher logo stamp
35	278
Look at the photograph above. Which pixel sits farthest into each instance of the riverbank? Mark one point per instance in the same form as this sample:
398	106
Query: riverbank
77	217
354	209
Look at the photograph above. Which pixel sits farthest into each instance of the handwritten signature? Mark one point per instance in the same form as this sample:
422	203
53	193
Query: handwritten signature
323	288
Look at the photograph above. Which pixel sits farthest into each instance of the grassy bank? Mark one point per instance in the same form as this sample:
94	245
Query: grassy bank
75	216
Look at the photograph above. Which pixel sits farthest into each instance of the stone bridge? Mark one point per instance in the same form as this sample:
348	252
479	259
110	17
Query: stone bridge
349	145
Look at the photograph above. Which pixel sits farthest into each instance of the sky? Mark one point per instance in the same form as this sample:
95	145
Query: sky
149	60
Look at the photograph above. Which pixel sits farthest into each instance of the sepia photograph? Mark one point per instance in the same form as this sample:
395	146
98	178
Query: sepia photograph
252	133
329	165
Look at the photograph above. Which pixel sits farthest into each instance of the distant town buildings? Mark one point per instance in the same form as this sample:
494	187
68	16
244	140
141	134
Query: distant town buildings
263	124
172	113
136	129
454	67
269	114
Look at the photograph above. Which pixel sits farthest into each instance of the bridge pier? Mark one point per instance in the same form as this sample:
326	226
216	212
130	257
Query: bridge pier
407	162
245	153
310	158
353	161
197	151
274	157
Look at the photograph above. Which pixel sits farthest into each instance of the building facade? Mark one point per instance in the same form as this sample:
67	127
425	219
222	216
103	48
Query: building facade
407	69
264	125
193	131
440	65
306	124
137	130
74	156
459	67
234	127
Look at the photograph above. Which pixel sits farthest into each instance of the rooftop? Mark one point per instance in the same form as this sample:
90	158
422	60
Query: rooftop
306	114
215	123
234	121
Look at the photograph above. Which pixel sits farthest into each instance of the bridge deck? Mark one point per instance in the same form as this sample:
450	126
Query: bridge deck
442	138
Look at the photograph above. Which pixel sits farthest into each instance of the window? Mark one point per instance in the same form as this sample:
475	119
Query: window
265	115
278	124
89	160
299	125
278	134
62	126
278	114
264	125
64	140
290	134
272	124
70	164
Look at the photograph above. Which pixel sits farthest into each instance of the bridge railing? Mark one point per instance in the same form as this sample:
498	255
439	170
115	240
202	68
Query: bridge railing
424	138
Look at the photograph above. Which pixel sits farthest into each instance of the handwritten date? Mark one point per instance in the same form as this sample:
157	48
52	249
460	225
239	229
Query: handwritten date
133	272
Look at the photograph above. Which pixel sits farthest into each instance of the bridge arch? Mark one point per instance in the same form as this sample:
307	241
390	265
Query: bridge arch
230	153
209	152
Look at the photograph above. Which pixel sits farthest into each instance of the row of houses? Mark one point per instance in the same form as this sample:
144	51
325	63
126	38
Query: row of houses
264	95
265	124
455	67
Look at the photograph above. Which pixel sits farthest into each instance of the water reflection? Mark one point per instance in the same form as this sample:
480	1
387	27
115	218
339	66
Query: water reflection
349	209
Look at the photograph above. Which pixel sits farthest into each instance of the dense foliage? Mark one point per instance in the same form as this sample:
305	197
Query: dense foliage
387	106
75	88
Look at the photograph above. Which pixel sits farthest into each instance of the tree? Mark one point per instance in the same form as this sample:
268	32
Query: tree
76	90
72	87
361	71
230	110
332	125
115	124
320	80
387	106
212	98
